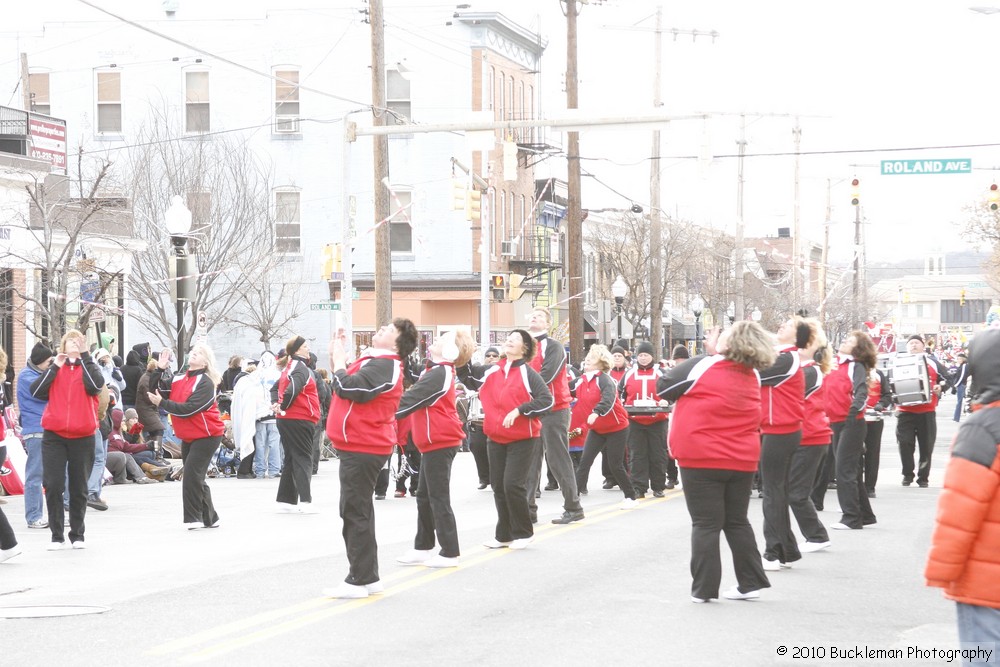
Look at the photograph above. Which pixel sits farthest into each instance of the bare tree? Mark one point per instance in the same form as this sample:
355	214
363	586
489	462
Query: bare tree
983	228
228	191
65	215
267	306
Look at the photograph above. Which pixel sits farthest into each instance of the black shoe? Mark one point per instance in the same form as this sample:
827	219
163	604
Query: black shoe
96	503
483	485
551	487
671	484
608	484
922	485
659	494
380	496
569	517
907	482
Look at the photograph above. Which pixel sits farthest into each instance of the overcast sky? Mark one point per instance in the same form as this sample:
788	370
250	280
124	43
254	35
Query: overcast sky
863	77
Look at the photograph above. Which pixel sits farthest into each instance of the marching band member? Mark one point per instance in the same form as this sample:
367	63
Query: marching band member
916	425
647	434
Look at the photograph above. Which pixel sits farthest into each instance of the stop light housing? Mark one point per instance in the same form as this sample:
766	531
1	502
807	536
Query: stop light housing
473	205
993	198
515	291
459	194
855	192
498	284
961	297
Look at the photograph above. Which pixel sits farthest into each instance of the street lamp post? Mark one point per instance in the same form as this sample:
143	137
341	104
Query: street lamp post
697	306
619	289
178	224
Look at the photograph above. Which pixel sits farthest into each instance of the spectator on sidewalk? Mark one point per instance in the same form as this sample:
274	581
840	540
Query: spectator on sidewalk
30	410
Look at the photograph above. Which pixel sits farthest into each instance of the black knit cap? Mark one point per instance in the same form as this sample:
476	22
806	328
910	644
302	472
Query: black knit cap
39	353
644	347
618	349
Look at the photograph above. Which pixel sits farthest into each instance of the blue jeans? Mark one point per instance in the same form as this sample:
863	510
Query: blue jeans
96	478
978	625
267	458
960	394
34	502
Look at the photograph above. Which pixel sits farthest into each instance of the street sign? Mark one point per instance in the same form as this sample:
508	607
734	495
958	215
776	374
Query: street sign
336	275
954	166
324	306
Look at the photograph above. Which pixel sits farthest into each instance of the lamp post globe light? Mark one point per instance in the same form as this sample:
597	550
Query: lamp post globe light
697	307
756	315
177	221
619	289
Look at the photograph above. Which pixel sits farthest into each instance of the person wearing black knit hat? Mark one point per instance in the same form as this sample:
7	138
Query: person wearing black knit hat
31	409
647	433
477	437
916	425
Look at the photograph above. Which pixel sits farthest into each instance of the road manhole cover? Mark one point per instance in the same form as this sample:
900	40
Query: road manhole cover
50	611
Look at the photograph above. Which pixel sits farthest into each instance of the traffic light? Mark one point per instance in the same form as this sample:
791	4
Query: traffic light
498	283
961	297
855	192
473	205
459	194
994	197
515	290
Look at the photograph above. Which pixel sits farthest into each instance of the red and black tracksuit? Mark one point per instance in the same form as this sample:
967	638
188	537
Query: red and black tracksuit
809	456
648	459
190	398
362	428
916	426
298	412
437	433
879	399
597	394
69	422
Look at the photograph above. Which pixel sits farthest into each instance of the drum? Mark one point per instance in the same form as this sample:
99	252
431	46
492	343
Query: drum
634	410
909	380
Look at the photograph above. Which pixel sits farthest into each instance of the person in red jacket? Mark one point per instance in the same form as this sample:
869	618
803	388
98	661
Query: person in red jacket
879	400
916	425
597	397
513	396
845	401
815	358
437	432
782	396
647	433
965	547
189	396
295	404
362	428
71	386
715	437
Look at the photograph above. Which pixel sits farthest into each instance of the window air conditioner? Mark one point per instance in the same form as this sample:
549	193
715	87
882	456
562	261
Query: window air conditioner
507	248
286	124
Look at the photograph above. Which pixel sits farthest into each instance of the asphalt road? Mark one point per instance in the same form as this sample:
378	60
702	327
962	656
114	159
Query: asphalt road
610	590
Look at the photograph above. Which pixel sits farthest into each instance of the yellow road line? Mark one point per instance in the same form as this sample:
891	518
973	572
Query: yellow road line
410	578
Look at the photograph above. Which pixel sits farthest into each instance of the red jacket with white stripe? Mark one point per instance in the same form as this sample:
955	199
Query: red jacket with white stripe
550	362
716	421
782	394
640	384
71	392
815	424
597	393
296	391
190	398
846	390
430	404
507	386
363	408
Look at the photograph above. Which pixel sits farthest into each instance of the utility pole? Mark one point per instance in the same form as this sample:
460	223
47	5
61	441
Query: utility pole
738	249
380	144
797	282
25	86
825	256
655	227
856	292
574	214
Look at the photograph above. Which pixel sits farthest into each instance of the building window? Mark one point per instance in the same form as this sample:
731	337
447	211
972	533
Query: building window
286	101
493	92
38	87
200	205
196	102
109	102
397	96
400	227
503	219
287	222
503	95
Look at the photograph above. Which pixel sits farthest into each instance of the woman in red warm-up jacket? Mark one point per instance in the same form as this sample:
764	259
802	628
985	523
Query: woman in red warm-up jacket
597	397
70	385
512	395
295	403
437	433
189	396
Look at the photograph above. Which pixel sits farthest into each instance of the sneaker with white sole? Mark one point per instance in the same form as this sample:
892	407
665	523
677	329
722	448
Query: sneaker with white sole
521	543
770	565
811	547
41	523
840	526
7	554
307	508
416	557
57	546
374	588
287	508
700	600
440	561
79	544
735	594
496	544
628	504
346	591
194	525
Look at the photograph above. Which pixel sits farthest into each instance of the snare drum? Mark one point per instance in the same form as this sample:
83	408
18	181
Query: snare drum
909	380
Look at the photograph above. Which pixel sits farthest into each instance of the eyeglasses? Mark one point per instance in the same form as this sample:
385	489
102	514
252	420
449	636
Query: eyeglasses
496	356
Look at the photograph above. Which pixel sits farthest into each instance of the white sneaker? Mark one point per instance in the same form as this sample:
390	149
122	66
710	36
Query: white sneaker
770	565
628	504
41	523
700	600
212	525
496	544
734	594
839	526
416	557
193	525
521	543
79	544
7	554
346	591
307	508
442	561
57	546
810	547
287	508
374	588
